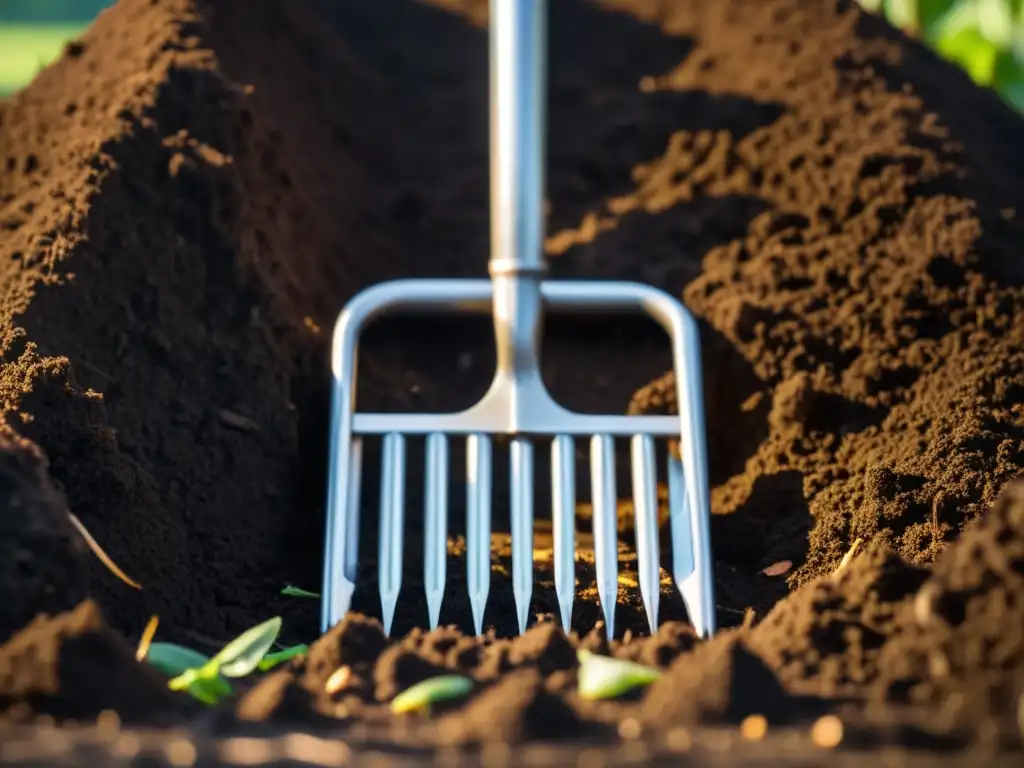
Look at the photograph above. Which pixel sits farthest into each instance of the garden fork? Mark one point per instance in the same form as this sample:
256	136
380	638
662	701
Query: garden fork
517	404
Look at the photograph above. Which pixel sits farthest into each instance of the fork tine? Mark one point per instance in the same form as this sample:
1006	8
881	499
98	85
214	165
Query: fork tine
684	571
478	525
339	553
563	518
699	589
354	482
645	511
392	523
436	525
606	545
522	527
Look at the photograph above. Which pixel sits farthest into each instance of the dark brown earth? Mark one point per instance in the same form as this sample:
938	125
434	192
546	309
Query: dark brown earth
194	190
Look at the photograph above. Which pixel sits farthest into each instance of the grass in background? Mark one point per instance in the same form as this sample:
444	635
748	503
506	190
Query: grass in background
33	34
26	48
984	37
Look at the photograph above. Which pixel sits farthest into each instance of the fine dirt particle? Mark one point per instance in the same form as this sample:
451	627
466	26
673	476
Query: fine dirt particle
836	206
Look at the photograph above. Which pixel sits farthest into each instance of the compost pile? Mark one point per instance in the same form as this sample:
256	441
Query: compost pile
194	190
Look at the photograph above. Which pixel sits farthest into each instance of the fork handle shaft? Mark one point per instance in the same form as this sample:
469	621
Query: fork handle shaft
517	265
518	30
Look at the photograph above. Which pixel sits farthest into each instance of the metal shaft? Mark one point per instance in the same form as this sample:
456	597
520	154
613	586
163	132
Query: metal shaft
517	69
518	31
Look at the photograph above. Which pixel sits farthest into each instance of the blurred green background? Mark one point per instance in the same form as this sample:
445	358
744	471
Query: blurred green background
985	37
33	32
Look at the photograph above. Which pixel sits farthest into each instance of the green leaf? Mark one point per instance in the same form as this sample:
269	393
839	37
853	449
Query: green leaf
1014	94
174	659
602	677
973	52
422	695
210	690
204	684
995	21
960	17
929	13
203	678
242	655
901	13
290	591
1016	46
1007	71
271	660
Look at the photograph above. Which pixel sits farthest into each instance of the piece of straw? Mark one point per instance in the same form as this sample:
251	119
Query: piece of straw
98	551
147	637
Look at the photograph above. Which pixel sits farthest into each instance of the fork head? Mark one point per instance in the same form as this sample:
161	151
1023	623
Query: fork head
520	407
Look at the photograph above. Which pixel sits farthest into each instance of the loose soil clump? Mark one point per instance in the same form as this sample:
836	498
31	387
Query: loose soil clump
194	190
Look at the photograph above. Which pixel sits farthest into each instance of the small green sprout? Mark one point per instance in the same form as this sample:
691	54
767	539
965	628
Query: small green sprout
174	659
290	591
203	684
205	679
242	655
422	695
271	660
602	677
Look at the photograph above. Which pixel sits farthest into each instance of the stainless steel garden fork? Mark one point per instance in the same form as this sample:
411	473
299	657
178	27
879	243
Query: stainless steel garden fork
517	403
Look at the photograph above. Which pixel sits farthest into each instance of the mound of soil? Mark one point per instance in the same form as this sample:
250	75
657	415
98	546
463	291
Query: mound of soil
194	190
40	568
73	666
